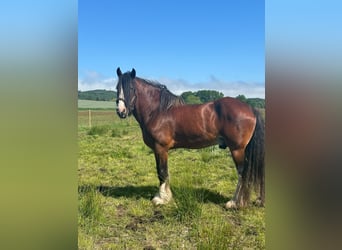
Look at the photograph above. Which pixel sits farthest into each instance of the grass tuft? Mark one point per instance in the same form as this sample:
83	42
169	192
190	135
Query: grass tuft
116	132
90	207
219	235
125	132
206	156
98	130
209	153
188	199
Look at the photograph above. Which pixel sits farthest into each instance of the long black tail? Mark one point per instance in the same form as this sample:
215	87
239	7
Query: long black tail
254	167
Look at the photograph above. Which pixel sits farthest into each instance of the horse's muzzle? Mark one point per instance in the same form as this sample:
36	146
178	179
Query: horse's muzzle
121	108
122	115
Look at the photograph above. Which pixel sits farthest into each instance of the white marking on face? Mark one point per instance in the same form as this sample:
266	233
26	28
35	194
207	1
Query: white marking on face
121	103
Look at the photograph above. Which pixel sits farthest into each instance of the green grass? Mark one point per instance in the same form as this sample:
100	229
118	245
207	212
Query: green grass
188	199
117	179
89	104
90	208
98	130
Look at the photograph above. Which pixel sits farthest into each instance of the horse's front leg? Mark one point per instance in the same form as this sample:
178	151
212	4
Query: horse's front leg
164	195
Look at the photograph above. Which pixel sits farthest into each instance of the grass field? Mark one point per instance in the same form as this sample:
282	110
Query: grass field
89	104
117	179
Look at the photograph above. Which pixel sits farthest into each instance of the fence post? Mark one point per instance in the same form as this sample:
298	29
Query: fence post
89	117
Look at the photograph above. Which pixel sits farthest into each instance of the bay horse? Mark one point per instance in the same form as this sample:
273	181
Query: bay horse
167	122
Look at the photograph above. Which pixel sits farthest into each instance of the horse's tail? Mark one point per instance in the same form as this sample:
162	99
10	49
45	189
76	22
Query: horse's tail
254	168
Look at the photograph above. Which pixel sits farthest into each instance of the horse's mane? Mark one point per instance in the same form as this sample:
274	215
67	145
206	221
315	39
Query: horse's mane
167	99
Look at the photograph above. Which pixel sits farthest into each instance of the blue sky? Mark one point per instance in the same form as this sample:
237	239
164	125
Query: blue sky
186	45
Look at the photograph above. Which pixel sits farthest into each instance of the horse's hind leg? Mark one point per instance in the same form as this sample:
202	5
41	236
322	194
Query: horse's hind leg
261	199
164	195
239	199
233	202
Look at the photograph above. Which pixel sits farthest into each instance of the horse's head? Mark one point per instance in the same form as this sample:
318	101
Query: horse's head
125	93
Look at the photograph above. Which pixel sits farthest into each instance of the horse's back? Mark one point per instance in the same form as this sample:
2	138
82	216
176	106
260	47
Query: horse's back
211	116
202	125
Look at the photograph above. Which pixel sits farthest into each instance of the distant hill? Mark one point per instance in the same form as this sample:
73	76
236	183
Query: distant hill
97	95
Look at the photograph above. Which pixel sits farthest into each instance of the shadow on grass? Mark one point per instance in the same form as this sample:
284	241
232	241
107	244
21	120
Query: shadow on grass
148	192
137	192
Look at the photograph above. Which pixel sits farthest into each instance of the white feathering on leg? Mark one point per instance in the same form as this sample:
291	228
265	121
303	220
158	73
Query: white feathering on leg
232	203
164	195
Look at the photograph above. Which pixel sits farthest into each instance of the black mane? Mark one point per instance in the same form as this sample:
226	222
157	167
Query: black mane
167	99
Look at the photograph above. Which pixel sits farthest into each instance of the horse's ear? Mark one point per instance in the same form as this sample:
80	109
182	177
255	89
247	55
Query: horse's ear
118	71
133	73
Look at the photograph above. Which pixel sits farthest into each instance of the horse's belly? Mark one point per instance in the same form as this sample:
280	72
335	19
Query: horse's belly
195	141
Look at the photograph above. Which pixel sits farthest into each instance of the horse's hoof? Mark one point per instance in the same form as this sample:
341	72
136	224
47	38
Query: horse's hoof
259	202
231	205
164	195
157	200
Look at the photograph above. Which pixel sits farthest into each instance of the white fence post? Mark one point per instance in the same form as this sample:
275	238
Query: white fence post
89	117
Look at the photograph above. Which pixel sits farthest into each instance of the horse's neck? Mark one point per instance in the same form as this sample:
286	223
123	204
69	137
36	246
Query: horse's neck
147	104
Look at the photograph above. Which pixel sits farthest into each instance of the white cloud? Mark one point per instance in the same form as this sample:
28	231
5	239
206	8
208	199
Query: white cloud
250	90
93	80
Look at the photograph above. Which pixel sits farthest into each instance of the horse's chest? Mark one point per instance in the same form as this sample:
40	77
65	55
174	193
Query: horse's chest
148	139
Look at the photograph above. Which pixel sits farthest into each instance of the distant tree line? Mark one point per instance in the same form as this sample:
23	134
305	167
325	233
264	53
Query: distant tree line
189	97
254	102
201	96
97	95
